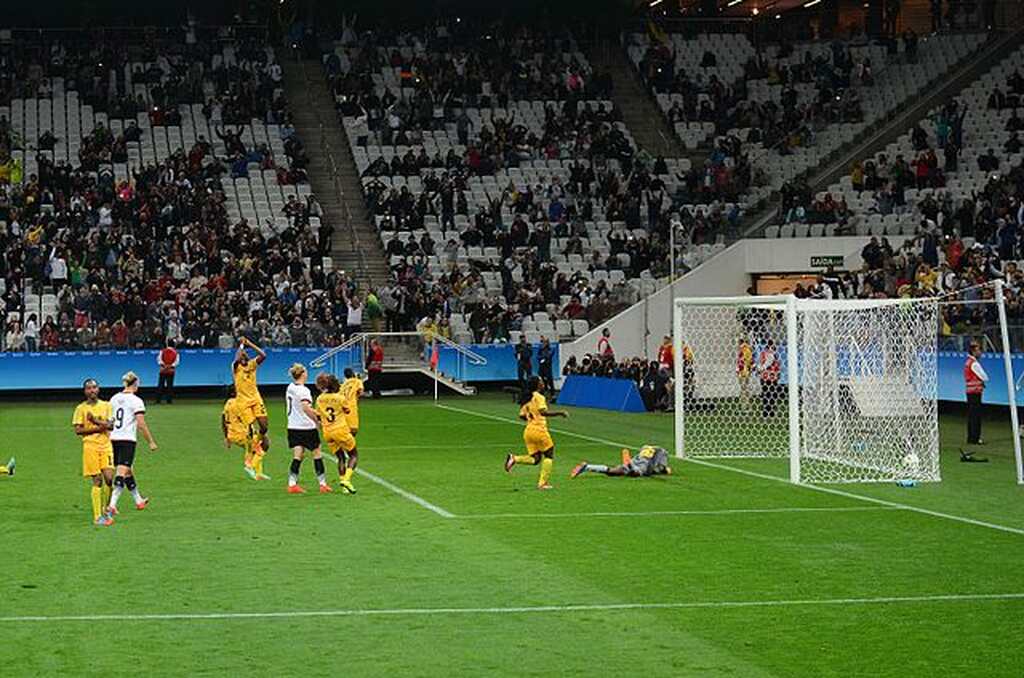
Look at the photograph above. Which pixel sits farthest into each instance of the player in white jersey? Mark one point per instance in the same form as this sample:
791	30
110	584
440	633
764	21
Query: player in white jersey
129	414
302	434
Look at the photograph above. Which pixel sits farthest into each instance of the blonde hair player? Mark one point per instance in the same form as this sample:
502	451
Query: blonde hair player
128	417
330	404
91	422
302	433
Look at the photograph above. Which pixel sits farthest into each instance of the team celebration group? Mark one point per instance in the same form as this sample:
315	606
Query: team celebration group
109	431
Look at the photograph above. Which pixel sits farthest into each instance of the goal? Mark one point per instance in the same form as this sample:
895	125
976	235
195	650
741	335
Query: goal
846	390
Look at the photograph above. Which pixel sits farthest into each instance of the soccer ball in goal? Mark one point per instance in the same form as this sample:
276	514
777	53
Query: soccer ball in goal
846	390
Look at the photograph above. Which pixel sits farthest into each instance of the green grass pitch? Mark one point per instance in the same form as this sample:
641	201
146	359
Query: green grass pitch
710	572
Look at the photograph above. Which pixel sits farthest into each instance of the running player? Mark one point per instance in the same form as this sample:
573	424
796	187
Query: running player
351	390
330	404
302	435
540	449
247	393
8	469
129	417
650	461
236	432
97	453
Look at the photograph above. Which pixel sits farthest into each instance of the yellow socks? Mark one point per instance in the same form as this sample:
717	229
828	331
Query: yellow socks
97	502
527	459
545	470
107	491
347	475
3	470
257	462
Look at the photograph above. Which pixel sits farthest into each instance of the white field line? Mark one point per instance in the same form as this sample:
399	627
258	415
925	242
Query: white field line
765	476
707	512
530	609
406	494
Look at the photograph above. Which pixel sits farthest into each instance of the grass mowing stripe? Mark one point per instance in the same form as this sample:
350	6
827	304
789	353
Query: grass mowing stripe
532	609
778	479
708	512
406	494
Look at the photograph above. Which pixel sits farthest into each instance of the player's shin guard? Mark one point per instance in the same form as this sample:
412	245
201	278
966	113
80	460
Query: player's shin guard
321	475
596	468
97	502
546	465
107	491
293	472
527	459
129	483
116	494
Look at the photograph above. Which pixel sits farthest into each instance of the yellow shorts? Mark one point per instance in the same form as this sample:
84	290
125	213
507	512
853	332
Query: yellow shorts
339	442
537	441
353	421
241	440
253	411
95	458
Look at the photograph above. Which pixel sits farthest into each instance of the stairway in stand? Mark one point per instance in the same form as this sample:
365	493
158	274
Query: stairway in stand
333	175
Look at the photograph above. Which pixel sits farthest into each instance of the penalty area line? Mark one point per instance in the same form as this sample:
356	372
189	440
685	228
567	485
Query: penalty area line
529	609
406	494
777	479
707	512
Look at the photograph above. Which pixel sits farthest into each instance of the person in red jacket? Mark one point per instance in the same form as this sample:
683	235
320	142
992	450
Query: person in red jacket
975	380
769	370
167	360
374	367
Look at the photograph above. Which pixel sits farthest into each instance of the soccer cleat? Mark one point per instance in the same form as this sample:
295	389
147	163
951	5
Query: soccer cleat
112	511
668	470
104	521
141	505
10	467
546	486
296	489
325	489
262	476
577	469
510	461
346	486
251	472
627	459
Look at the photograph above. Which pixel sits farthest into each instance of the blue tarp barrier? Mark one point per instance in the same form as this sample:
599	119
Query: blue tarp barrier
620	395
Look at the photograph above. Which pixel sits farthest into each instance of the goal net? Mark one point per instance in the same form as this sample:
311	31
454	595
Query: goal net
846	390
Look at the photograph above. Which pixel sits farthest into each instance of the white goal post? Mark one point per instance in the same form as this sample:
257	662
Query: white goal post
846	390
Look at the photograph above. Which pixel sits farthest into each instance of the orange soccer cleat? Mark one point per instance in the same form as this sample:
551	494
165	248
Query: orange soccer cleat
141	505
627	459
577	469
325	489
296	489
546	486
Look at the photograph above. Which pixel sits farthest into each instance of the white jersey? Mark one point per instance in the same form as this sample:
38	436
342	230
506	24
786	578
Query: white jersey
124	407
297	417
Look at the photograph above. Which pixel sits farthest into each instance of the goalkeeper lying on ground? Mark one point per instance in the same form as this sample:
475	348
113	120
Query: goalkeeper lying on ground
650	461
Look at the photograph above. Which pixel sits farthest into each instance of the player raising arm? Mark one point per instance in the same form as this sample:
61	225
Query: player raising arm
129	417
246	391
97	452
540	449
330	404
650	461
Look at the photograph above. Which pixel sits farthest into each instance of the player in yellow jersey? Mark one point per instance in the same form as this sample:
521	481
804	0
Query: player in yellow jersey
237	432
331	407
8	469
247	393
92	422
352	390
744	367
540	449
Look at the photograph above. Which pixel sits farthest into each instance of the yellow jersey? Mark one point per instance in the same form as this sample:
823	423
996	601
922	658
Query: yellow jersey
332	410
100	410
245	382
744	360
235	421
351	390
535	420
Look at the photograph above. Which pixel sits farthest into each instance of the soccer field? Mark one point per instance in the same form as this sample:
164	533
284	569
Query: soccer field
444	565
